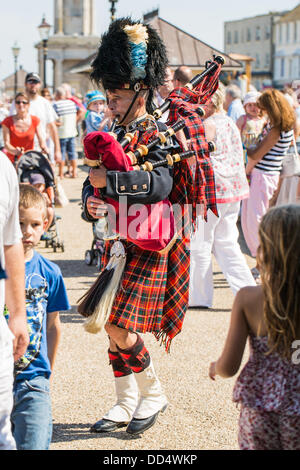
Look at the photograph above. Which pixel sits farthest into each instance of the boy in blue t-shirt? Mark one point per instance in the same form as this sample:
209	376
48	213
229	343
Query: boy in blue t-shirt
45	297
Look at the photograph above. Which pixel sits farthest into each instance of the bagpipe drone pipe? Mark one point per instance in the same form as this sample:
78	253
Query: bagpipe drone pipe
103	149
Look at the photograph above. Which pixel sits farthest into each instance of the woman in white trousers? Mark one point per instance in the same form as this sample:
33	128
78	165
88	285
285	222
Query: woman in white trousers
219	235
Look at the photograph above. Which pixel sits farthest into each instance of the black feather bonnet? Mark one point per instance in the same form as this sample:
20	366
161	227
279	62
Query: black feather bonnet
131	55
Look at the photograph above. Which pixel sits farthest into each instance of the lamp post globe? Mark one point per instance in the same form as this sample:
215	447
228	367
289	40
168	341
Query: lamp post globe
44	31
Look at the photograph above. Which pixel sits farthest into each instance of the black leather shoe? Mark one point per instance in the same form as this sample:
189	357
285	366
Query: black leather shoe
137	426
106	425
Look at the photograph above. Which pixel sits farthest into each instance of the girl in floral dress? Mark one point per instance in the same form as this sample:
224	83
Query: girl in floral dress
268	388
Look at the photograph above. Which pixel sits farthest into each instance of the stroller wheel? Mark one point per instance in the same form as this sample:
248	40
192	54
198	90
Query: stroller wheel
98	260
62	246
54	246
88	257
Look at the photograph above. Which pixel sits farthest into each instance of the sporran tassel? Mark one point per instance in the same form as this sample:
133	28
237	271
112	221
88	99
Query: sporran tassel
96	304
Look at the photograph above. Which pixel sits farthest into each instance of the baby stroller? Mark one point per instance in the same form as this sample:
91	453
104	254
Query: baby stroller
94	255
33	161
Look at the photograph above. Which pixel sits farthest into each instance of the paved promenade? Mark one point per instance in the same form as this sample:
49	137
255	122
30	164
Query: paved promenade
200	415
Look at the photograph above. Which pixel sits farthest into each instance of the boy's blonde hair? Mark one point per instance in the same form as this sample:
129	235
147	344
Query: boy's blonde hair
31	197
279	262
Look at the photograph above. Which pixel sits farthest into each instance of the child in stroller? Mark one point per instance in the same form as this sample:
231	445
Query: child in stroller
37	180
34	168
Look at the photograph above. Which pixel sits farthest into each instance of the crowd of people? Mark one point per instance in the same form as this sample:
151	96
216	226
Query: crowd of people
51	123
253	135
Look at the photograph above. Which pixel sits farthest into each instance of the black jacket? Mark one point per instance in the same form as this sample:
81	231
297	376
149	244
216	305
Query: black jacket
140	187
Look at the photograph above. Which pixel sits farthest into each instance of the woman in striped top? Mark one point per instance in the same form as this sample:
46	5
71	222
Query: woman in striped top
265	162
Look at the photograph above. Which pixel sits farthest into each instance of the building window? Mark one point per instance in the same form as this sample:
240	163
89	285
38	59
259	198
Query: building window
229	37
257	84
248	34
236	37
280	34
267	32
257	61
267	60
288	32
290	68
295	32
76	8
282	67
257	33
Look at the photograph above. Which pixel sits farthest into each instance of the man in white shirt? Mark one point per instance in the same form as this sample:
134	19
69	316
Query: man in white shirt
14	336
66	111
43	109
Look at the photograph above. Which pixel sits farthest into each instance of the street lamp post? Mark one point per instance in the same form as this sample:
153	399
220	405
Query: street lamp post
16	50
113	9
44	30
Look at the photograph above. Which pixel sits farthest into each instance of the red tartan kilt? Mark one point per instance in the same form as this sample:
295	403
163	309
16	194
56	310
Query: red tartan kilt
153	296
138	305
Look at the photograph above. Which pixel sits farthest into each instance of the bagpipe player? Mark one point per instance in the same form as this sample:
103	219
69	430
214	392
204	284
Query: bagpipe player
153	298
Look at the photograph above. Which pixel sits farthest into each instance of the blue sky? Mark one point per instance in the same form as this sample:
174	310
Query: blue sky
19	20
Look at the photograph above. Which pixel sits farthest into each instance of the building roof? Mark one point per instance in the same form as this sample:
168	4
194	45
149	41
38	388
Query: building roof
182	48
83	65
185	49
271	14
8	83
10	79
292	15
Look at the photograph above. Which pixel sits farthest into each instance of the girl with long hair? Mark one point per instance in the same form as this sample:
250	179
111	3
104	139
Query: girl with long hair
265	162
269	314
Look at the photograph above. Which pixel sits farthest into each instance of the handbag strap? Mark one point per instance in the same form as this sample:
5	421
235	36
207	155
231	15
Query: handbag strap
294	142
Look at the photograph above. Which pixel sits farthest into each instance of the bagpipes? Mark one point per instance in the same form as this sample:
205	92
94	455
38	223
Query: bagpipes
211	67
103	149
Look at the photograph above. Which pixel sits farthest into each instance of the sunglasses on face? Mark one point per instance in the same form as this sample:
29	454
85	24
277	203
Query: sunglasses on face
32	81
22	102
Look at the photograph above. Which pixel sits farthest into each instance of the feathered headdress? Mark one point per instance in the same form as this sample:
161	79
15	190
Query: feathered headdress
131	55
